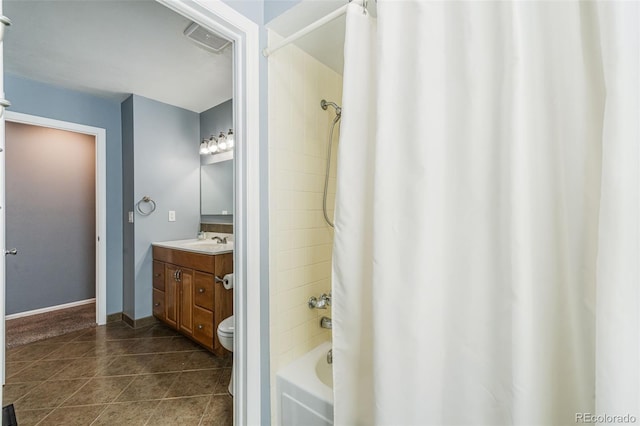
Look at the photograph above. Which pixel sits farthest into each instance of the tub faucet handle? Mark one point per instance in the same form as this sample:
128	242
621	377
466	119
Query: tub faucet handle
319	303
327	298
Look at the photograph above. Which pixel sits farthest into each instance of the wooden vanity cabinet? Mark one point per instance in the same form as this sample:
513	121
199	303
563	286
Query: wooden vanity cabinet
185	300
159	307
187	296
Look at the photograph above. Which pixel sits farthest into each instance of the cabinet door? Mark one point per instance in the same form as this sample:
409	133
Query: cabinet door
171	296
158	304
185	303
203	294
203	326
158	275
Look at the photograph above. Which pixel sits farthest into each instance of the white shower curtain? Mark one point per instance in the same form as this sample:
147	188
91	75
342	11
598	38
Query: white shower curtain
486	254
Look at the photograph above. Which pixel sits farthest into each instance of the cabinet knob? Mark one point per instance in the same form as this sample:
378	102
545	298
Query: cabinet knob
156	304
157	275
201	290
200	326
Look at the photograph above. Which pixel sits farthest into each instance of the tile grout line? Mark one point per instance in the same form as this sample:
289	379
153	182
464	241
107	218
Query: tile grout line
205	410
115	399
99	377
29	363
124	389
60	405
164	395
97	373
152	412
101	411
49	379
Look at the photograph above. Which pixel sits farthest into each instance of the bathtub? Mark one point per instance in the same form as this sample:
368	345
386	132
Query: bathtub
305	390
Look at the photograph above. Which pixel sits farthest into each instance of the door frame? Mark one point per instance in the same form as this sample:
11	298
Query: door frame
251	347
100	137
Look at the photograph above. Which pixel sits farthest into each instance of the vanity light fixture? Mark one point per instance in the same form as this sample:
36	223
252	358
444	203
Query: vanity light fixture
204	147
222	141
213	145
218	145
230	139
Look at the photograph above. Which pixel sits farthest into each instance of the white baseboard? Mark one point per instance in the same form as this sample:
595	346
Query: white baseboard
49	309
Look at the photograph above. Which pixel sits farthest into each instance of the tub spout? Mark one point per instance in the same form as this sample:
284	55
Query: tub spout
325	322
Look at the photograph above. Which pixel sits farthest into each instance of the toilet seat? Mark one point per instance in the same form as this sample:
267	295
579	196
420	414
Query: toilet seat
225	336
227	327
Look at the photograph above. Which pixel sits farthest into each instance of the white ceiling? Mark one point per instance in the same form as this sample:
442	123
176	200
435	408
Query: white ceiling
114	48
326	43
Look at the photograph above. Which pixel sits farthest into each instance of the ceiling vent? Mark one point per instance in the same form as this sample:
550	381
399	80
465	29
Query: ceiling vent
205	38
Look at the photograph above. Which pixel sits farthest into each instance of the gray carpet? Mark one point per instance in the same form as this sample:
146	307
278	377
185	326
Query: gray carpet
21	331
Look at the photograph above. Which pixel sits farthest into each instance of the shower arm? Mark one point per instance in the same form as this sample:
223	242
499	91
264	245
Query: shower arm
325	104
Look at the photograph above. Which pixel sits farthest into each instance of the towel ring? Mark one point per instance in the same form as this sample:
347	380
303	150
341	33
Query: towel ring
152	208
4	22
4	104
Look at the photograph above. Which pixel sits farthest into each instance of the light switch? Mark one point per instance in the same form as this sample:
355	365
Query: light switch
130	217
172	216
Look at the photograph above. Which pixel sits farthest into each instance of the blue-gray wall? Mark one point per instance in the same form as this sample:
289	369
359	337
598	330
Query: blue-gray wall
44	100
275	8
252	9
217	119
166	167
128	234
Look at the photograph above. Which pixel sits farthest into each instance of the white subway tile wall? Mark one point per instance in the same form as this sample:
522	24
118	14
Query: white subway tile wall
300	240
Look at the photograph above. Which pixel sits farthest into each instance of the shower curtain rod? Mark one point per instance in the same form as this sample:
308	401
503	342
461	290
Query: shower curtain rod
306	30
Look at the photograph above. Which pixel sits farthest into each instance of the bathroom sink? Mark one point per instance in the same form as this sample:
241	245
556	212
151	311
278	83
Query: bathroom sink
210	245
198	246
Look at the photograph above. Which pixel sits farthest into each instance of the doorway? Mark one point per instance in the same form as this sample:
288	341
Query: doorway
251	353
51	216
251	346
55	216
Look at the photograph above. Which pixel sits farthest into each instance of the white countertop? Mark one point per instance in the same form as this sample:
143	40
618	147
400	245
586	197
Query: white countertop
206	246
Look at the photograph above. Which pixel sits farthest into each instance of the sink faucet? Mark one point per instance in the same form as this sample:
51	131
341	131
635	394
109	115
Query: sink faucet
330	356
220	240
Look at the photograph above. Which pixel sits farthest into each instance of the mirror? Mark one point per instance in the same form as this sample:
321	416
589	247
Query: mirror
216	188
216	170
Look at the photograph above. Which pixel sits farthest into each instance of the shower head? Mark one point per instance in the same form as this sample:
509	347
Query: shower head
324	105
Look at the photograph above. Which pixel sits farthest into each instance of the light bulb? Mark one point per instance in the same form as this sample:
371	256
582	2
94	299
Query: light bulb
204	148
213	145
231	140
222	142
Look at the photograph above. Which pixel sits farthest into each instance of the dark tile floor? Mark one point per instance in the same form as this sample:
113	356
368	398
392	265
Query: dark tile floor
115	375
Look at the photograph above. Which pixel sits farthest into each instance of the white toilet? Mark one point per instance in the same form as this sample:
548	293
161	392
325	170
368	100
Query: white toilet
225	335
